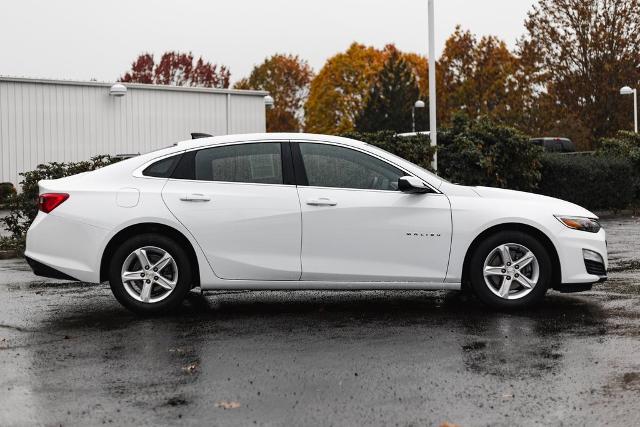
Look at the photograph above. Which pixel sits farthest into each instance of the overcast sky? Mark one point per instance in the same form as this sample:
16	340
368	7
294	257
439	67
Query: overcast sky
84	39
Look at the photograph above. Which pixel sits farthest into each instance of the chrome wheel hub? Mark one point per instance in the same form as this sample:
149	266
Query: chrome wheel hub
511	271
149	274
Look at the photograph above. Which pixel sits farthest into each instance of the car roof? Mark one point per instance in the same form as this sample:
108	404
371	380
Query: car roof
194	144
249	137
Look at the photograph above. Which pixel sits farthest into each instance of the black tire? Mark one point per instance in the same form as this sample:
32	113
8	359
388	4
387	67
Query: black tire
476	270
177	295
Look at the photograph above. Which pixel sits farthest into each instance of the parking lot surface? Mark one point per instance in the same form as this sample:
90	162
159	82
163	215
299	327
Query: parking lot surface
70	355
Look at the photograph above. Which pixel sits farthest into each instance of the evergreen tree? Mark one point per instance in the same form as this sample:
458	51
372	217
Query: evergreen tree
391	99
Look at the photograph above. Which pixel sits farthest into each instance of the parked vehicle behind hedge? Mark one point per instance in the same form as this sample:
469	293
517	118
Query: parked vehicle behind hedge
555	145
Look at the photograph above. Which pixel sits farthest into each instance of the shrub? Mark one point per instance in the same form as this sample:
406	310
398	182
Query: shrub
481	152
416	149
7	190
9	243
595	182
477	152
23	207
627	145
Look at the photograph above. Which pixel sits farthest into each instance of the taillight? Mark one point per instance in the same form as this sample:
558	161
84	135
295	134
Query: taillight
49	201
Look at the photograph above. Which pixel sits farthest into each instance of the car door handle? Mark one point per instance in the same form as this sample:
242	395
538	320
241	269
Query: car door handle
322	201
195	197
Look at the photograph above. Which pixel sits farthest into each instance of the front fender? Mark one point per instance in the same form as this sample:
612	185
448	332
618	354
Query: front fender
474	216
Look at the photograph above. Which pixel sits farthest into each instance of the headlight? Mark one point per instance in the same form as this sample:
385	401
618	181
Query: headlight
589	225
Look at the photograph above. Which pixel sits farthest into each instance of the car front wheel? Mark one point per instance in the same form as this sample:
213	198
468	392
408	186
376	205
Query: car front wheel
150	273
510	269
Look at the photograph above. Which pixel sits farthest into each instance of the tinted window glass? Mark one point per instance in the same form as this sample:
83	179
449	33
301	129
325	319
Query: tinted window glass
333	166
161	168
259	163
185	169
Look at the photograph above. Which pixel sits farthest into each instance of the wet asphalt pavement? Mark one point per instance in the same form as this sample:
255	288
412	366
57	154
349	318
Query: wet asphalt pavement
70	355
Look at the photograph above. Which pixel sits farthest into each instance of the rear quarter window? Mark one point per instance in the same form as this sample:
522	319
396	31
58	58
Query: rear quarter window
162	168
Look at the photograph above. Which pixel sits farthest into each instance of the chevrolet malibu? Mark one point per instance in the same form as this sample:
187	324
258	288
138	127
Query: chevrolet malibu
296	211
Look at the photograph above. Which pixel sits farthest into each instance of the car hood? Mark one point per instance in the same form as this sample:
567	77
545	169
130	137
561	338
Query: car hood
556	206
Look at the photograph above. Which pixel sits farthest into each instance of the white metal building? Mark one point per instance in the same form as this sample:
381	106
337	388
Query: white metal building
51	120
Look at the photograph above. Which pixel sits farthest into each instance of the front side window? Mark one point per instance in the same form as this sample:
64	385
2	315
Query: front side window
339	167
259	163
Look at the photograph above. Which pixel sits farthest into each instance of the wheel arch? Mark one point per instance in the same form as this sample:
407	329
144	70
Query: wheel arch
148	227
513	226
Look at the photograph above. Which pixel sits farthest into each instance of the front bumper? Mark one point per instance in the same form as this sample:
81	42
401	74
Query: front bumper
575	267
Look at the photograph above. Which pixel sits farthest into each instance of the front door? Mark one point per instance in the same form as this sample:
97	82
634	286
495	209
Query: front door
357	226
239	209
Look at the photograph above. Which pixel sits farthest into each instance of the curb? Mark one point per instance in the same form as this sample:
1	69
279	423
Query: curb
9	254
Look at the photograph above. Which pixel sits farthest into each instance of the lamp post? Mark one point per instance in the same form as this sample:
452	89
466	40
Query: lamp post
118	90
432	87
418	104
628	91
268	102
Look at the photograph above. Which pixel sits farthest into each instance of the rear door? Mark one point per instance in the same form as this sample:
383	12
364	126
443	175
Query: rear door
240	204
357	226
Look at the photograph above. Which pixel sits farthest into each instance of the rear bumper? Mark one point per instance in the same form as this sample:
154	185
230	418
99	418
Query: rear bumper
57	245
40	269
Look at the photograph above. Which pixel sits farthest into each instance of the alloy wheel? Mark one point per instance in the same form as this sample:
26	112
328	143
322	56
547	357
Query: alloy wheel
149	274
511	271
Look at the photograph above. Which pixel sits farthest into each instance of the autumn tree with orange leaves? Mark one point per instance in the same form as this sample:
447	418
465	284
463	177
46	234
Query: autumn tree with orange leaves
342	88
476	76
287	79
177	69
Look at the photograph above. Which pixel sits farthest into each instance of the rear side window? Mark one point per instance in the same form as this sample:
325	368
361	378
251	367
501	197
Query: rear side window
259	163
162	168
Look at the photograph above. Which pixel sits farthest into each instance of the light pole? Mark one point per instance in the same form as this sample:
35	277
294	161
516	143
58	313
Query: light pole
268	102
418	104
432	87
628	91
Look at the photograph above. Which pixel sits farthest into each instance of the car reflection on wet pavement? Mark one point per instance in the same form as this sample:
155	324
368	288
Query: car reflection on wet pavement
71	355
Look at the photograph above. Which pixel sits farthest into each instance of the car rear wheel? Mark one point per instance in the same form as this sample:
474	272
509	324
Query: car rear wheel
510	269
150	274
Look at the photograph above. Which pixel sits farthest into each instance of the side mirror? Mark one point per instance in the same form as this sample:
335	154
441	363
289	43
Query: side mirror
412	185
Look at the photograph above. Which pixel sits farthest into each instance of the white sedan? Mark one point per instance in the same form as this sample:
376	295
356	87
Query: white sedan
297	211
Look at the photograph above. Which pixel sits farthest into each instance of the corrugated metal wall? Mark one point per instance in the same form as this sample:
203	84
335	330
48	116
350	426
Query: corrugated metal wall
43	121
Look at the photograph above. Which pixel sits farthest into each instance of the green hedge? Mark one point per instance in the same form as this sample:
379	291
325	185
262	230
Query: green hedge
624	144
481	152
416	149
594	182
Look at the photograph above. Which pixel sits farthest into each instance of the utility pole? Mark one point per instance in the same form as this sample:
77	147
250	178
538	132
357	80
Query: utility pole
433	132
